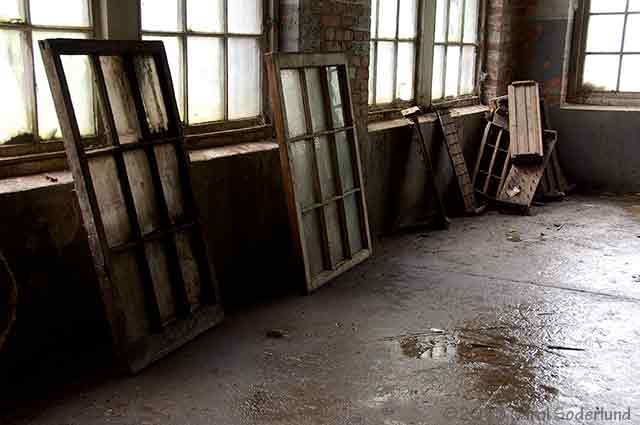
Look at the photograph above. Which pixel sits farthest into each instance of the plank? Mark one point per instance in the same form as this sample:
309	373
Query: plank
493	161
525	122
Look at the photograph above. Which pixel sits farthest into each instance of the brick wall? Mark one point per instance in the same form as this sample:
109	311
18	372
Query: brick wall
499	52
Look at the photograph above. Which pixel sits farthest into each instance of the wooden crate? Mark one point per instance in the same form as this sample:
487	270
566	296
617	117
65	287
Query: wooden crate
135	193
493	161
525	122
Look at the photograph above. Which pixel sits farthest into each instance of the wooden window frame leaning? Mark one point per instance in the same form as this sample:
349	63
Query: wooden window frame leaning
424	67
301	61
576	94
194	314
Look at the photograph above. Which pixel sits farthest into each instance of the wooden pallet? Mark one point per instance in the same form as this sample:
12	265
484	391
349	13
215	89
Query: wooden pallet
493	161
452	141
525	122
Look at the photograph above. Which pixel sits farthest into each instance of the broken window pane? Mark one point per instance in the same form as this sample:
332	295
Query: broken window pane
406	56
160	15
245	16
441	21
174	57
605	33
468	69
77	77
11	11
15	108
471	21
455	20
387	18
73	13
294	108
205	15
629	80
374	18
599	6
244	78
452	73
385	67
206	84
632	36
438	72
601	72
408	19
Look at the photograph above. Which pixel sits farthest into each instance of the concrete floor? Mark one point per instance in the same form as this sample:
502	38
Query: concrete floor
502	319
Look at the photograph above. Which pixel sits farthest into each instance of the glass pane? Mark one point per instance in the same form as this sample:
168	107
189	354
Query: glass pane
345	161
441	21
455	20
313	240
471	21
120	99
354	223
634	5
453	71
601	72
303	166
438	72
605	33
206	85
374	18
316	99
174	57
152	98
245	82
335	97
632	37
629	80
334	234
372	78
406	57
384	77
325	169
11	11
598	6
408	18
73	13
15	108
205	15
387	18
160	15
467	77
80	80
77	80
245	16
293	105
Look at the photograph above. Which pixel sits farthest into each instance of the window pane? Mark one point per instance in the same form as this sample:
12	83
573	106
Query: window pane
387	18
406	55
605	33
455	20
47	118
245	16
601	72
471	21
174	57
372	58
441	21
335	96
160	15
634	5
598	6
293	106
467	78
453	71
316	100
245	93
80	81
205	15
11	10
438	72
74	13
15	108
206	72
629	80
374	18
385	65
632	38
408	19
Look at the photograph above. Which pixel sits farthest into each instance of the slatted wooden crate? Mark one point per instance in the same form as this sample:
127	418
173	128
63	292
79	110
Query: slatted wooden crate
493	161
525	122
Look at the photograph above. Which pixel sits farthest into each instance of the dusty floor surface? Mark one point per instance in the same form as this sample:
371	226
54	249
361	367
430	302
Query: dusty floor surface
502	319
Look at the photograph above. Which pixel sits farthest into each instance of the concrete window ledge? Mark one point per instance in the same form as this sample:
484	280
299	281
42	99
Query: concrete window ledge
600	108
208	154
426	118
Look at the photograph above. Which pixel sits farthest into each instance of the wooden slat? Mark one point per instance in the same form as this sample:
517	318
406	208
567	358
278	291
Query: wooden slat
525	122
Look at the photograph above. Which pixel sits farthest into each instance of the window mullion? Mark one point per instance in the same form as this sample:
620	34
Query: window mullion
395	54
464	5
375	44
32	71
621	55
225	54
446	50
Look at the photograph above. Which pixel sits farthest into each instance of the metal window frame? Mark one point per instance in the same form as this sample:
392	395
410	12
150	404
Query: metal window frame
266	40
576	93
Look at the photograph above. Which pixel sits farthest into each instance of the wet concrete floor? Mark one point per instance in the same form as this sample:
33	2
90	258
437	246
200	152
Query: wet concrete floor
502	319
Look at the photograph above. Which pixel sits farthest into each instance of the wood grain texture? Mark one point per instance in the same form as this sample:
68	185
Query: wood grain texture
525	122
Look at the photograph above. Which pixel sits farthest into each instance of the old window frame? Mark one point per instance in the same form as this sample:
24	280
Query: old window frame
576	93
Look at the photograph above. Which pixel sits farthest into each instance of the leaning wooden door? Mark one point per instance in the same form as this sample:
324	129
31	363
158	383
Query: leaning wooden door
320	159
157	282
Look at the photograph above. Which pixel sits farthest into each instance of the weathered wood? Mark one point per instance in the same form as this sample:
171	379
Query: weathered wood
525	122
137	201
493	161
329	225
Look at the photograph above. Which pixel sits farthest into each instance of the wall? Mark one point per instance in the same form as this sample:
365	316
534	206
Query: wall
597	147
